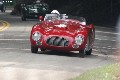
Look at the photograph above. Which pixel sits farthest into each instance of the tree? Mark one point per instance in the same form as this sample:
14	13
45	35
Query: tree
95	11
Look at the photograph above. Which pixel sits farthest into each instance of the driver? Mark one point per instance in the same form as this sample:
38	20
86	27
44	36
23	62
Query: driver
56	16
55	12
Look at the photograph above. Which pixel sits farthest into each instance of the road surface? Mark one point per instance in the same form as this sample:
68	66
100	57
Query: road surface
18	63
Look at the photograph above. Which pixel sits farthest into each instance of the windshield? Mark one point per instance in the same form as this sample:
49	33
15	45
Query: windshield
36	6
55	16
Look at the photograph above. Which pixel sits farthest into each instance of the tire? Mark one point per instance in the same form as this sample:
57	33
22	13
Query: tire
89	52
23	18
2	10
81	54
34	49
86	50
42	49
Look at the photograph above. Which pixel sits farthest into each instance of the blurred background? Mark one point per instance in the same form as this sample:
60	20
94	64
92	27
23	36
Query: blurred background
98	12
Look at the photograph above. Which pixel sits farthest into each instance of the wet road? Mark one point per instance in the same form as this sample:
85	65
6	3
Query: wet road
18	63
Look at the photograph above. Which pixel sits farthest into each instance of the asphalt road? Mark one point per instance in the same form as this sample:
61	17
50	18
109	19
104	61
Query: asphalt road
18	63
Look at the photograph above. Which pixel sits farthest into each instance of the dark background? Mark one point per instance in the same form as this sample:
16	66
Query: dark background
98	12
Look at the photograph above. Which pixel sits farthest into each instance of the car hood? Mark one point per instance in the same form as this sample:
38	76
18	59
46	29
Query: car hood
61	27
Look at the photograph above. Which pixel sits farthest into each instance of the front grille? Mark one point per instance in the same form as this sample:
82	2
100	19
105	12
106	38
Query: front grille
57	41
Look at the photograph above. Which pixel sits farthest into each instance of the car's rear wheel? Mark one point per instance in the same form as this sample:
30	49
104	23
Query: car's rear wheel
34	49
3	10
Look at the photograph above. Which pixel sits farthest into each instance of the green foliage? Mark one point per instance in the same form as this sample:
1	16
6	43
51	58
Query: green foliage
108	72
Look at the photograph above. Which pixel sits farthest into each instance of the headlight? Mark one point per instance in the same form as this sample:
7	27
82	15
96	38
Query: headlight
36	36
79	40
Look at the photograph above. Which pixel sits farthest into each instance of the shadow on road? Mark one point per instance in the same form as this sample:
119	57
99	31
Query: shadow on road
59	53
69	54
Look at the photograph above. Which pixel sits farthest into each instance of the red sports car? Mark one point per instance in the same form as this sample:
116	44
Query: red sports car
59	32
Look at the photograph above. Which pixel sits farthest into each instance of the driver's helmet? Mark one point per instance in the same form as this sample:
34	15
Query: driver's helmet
56	15
55	12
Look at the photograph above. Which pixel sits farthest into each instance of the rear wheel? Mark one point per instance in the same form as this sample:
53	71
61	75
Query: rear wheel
34	49
4	11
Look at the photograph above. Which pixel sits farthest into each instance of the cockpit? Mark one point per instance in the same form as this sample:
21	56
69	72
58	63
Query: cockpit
55	17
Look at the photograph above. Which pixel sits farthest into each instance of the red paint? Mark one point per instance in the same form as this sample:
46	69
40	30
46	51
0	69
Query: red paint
67	29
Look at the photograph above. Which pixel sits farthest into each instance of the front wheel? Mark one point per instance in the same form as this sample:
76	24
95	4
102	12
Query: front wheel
34	49
86	51
2	10
89	52
81	54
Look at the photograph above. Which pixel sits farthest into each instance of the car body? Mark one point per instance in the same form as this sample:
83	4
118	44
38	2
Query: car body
33	11
59	33
2	6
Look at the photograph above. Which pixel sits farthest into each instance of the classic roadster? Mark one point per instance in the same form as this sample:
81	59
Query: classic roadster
58	32
33	11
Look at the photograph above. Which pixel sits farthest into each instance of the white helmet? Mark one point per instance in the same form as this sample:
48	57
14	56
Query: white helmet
55	12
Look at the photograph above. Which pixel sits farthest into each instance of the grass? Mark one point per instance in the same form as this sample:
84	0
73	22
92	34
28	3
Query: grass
109	72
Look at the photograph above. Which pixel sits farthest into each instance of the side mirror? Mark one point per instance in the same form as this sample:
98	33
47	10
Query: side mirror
41	18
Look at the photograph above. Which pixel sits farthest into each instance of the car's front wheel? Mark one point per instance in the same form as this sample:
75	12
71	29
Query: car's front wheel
81	54
2	10
89	52
34	49
86	51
